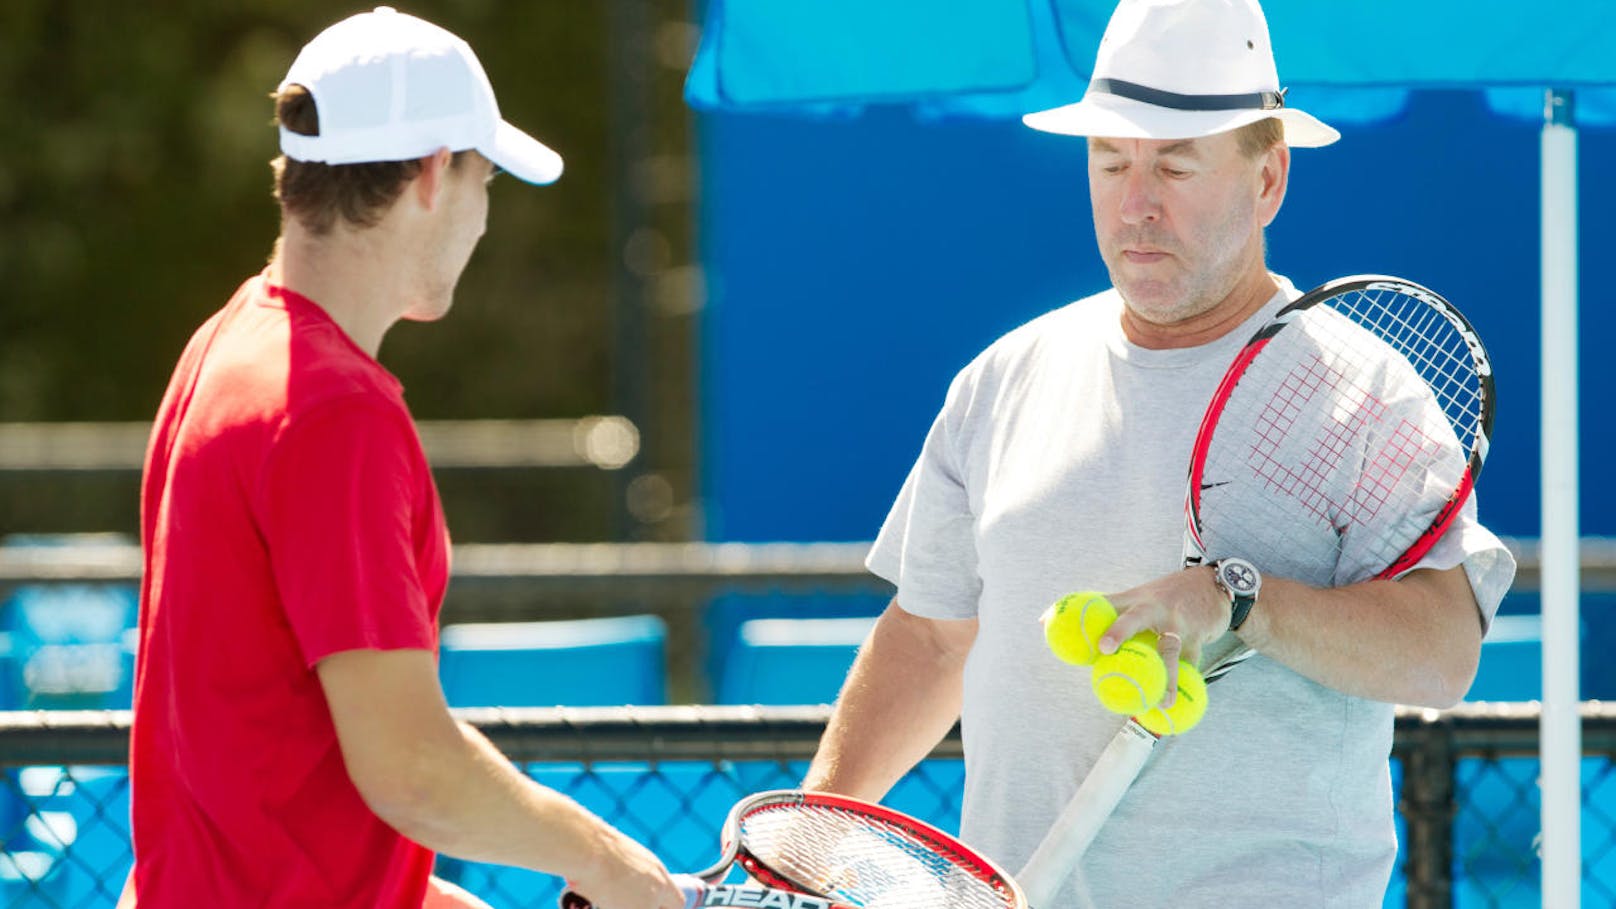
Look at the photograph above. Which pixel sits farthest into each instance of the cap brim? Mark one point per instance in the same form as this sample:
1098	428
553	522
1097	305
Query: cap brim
1112	117
523	156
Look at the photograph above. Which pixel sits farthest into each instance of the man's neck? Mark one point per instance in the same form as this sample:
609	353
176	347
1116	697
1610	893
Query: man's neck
354	275
1256	288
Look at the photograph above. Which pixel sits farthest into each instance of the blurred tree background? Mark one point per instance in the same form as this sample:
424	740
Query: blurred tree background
135	197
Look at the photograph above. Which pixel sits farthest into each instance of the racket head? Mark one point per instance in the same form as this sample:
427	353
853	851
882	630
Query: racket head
1346	435
858	853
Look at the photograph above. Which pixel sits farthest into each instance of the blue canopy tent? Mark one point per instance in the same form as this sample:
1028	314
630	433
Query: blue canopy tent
1356	61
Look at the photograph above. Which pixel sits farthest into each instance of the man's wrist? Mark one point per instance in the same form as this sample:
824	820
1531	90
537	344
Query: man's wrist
1241	582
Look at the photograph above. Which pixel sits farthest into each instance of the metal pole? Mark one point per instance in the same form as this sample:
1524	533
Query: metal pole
631	27
1428	808
1561	737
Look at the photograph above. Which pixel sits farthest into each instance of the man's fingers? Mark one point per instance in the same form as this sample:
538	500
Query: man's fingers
1130	621
1170	645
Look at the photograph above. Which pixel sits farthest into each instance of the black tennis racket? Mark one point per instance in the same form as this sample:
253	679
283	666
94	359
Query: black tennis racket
815	850
1342	443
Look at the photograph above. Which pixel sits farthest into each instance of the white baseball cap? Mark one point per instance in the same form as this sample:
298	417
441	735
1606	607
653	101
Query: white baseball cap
1182	69
391	87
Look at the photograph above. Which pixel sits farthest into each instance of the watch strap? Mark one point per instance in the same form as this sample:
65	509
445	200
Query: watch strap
1239	609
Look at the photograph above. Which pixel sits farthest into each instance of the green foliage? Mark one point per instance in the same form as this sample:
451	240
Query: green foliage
135	196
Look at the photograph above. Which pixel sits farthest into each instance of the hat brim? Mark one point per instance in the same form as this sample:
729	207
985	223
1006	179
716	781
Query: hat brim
1113	117
523	156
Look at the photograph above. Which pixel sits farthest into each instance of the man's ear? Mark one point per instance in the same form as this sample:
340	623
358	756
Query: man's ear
428	184
1274	175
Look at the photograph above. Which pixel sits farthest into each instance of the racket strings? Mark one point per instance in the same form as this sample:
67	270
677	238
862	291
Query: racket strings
862	861
1436	348
1327	445
1330	440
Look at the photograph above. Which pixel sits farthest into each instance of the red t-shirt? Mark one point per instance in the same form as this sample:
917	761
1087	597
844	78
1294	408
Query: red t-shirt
287	514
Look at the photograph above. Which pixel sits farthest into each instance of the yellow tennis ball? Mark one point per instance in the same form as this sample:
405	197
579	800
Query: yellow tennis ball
1187	709
1072	627
1133	679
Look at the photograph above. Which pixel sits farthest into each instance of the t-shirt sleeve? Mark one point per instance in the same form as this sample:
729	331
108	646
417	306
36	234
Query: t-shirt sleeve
927	545
338	498
1488	564
1413	422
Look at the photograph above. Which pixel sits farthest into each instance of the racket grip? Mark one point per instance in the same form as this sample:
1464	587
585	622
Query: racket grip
1085	814
690	885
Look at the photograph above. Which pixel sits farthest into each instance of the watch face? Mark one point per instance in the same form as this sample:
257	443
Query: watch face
1239	575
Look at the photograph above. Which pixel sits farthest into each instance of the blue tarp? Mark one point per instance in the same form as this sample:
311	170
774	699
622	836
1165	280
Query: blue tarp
998	59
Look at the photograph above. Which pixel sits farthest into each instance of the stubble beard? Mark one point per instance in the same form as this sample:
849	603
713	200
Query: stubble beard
1192	291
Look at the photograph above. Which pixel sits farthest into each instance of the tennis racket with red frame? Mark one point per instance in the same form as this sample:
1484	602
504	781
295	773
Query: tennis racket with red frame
1341	444
815	850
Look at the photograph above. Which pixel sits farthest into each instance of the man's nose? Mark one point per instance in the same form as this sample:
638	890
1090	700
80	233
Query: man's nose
1140	204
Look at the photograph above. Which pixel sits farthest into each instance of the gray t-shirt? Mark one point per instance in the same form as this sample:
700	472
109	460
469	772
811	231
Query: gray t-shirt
1058	463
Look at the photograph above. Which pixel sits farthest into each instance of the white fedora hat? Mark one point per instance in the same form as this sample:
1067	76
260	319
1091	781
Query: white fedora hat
1182	69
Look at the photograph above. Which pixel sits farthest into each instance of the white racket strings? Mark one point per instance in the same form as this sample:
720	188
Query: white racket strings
861	861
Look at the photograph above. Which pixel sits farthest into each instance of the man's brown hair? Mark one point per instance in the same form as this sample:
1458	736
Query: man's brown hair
317	194
1258	137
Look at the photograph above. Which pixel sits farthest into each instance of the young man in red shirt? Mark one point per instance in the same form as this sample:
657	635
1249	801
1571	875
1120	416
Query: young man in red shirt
291	744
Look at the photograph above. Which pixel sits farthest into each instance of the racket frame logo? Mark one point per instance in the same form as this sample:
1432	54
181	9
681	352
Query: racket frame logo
761	898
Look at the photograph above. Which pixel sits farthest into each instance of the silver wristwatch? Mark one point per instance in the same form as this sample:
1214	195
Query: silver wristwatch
1242	582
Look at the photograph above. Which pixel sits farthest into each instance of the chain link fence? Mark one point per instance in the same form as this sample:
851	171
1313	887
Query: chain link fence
1466	783
1468	806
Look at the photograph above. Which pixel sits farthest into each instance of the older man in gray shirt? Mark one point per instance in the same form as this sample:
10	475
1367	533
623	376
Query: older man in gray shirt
1058	462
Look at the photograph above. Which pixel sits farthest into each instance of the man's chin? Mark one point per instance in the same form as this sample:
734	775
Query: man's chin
428	312
1157	302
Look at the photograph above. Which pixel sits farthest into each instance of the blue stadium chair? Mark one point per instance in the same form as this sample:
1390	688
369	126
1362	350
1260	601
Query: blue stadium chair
69	647
1596	630
723	616
64	646
1598	676
1511	666
582	663
791	661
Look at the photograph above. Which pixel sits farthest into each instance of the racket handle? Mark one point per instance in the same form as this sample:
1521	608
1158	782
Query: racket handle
690	885
1085	814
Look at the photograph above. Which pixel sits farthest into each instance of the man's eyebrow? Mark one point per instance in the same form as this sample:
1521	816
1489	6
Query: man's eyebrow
1186	147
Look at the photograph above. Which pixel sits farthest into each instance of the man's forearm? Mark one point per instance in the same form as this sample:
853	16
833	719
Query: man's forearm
470	802
901	697
441	783
1412	641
